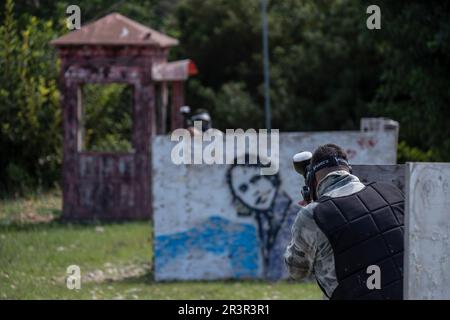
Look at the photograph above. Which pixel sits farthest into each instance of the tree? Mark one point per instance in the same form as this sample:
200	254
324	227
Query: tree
414	86
327	69
324	71
29	104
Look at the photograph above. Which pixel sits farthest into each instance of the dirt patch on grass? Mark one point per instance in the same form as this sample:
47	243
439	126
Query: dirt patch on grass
32	218
112	273
116	273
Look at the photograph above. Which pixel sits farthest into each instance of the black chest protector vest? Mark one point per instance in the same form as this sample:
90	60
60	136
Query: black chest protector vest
364	229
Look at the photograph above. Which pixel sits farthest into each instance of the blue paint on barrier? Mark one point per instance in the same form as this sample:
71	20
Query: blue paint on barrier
215	235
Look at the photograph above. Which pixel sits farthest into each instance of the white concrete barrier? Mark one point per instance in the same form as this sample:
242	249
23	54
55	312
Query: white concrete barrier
427	243
225	221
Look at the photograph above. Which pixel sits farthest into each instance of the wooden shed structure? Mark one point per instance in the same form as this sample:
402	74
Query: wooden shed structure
116	49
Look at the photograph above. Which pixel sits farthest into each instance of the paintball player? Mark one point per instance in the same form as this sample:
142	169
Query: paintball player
202	117
346	228
199	115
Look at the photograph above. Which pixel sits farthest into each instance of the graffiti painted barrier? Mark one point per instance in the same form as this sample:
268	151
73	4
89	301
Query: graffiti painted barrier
229	221
427	258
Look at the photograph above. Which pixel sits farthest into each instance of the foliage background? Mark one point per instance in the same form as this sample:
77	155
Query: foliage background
327	71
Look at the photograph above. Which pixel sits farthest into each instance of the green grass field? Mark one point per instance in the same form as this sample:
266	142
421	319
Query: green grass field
115	260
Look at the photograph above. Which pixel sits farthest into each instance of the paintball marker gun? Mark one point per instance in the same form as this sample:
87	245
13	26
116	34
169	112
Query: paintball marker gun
186	113
301	162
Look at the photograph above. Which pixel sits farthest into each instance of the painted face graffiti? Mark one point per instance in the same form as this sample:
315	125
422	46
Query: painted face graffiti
260	197
252	189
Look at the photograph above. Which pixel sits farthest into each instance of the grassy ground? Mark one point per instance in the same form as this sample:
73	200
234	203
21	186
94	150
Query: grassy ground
115	260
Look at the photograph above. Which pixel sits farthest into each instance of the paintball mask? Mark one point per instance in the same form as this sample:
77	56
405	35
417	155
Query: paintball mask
204	117
302	164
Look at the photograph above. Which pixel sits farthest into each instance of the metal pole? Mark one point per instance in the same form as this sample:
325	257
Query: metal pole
265	41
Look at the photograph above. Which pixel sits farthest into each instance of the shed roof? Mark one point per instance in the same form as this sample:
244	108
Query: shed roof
115	29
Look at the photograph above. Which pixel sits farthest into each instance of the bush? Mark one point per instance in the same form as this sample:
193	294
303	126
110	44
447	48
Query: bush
406	153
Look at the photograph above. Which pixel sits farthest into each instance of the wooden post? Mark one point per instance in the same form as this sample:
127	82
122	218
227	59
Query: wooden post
177	102
165	103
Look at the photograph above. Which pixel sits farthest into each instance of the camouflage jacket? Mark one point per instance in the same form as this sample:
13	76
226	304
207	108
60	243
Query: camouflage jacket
309	251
